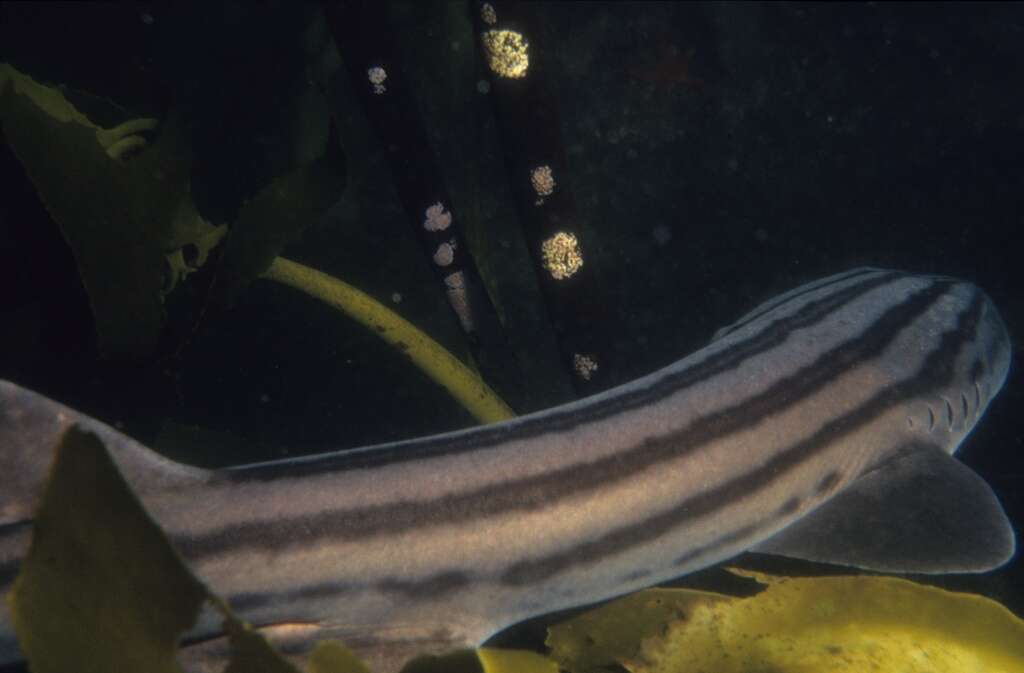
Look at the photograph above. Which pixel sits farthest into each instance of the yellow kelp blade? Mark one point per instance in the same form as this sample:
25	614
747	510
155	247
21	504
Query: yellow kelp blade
482	660
514	661
457	661
114	216
330	656
603	638
101	590
808	625
430	357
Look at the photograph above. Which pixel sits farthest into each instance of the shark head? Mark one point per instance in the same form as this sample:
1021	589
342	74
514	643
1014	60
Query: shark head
968	378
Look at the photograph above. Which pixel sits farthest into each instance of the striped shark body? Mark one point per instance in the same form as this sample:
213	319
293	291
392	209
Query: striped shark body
821	425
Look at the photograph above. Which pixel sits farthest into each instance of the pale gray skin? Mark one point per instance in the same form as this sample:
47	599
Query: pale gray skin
821	425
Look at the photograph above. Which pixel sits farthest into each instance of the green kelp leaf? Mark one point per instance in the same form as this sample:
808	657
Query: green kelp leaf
273	218
605	637
83	189
48	99
191	240
514	661
101	589
330	656
128	222
457	661
837	624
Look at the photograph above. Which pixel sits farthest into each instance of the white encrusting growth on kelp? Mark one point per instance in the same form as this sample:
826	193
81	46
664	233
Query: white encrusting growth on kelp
771	437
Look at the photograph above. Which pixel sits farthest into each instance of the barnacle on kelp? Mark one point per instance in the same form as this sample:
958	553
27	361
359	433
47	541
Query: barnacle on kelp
561	255
507	53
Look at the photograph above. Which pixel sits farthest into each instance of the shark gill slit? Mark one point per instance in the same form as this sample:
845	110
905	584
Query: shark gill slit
929	376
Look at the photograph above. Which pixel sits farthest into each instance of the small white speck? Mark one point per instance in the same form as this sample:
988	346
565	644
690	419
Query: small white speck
483	86
264	398
662	234
487	13
396	297
377	75
147	18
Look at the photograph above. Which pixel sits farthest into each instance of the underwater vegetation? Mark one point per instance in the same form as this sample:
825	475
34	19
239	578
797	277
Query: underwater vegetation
131	221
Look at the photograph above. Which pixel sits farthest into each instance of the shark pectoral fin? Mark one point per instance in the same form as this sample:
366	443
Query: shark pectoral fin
922	512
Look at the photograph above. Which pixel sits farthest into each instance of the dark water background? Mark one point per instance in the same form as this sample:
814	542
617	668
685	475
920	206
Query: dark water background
719	154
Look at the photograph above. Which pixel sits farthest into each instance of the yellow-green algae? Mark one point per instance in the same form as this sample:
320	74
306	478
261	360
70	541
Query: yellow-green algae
117	217
850	624
429	356
129	223
514	661
100	589
330	656
600	639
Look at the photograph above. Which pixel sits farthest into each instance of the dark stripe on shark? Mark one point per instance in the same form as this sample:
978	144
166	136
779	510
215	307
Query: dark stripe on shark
258	599
434	586
787	297
930	375
772	335
539	491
